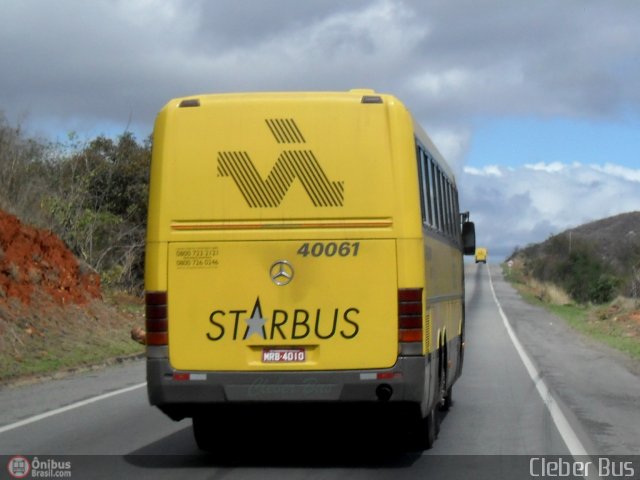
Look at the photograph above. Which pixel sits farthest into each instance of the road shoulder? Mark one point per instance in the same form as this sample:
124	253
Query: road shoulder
598	384
20	401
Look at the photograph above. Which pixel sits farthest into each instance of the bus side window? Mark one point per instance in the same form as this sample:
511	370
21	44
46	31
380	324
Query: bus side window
435	192
423	183
427	162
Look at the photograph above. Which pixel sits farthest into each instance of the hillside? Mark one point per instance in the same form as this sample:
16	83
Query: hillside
615	239
592	262
590	276
52	312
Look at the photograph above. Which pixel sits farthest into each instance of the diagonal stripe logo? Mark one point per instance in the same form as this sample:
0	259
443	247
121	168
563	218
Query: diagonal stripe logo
290	165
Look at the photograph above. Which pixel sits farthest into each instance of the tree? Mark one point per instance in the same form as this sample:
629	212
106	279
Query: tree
99	206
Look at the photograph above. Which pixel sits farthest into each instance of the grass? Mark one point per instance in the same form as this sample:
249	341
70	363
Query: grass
44	361
609	323
41	339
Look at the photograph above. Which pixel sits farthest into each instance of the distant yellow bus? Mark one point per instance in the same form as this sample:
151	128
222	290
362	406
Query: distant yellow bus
302	249
481	255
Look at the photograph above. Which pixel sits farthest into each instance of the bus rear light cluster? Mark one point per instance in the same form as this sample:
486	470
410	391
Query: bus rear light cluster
156	318
410	325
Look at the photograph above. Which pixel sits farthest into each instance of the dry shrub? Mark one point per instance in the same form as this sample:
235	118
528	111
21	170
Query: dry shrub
549	293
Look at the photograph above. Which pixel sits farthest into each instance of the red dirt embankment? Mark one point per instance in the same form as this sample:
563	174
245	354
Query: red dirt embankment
52	314
33	259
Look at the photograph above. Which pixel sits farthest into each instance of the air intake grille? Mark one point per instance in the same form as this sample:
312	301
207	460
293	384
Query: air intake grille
427	330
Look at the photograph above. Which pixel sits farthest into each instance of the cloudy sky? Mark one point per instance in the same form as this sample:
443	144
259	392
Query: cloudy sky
536	104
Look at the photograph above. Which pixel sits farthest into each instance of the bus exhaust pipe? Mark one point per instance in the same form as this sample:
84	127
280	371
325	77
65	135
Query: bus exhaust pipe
384	392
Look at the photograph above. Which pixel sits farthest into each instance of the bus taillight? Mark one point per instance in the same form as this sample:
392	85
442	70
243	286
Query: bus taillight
156	318
410	326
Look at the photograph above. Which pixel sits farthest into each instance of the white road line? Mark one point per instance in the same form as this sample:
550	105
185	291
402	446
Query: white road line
66	408
564	427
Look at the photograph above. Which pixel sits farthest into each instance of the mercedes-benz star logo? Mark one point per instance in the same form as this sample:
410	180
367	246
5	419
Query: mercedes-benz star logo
281	272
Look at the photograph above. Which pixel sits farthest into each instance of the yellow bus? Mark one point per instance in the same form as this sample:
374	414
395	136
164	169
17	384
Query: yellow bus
481	255
303	249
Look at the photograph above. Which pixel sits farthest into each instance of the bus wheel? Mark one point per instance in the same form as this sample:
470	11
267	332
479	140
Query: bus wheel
447	401
430	429
426	431
209	434
443	393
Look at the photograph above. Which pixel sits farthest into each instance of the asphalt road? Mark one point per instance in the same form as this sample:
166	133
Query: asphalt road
581	396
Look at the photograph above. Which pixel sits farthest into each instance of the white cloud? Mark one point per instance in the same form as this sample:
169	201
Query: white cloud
352	49
154	13
452	143
79	65
448	61
626	173
448	83
486	171
524	205
546	167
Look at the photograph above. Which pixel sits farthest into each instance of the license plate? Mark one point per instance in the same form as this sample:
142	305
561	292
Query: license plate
283	355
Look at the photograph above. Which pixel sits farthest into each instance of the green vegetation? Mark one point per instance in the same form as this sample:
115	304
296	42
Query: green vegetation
574	266
593	263
92	194
59	338
615	323
51	360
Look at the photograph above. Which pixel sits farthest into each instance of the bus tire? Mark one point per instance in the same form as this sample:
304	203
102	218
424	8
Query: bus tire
207	434
443	375
429	429
447	402
426	431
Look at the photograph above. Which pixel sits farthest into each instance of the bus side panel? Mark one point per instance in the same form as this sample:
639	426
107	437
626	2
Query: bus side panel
445	298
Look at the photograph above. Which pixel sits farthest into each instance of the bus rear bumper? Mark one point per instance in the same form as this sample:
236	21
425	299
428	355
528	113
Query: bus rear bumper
183	394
